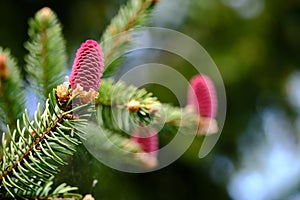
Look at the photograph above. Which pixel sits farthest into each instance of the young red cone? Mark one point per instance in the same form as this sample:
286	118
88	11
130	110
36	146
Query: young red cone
87	67
148	140
202	96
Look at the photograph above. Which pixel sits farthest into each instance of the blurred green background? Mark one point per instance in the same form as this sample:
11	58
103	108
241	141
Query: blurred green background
256	46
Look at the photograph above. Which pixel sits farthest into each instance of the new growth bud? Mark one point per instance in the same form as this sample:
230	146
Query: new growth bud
133	106
63	94
45	13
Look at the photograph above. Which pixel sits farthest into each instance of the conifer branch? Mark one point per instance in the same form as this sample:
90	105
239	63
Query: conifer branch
187	120
47	52
12	95
115	148
104	139
35	150
134	14
175	117
122	107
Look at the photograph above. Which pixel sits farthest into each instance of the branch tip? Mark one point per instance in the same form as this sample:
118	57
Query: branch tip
3	67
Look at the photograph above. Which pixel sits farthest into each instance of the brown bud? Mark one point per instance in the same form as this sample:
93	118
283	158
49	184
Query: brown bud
207	126
133	106
149	161
88	197
112	29
45	13
62	93
82	96
3	67
34	134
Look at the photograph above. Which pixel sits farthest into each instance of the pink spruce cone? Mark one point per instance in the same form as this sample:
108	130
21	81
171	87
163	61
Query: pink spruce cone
147	138
88	66
202	96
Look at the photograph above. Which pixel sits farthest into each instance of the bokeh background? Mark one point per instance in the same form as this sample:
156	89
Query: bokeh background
256	46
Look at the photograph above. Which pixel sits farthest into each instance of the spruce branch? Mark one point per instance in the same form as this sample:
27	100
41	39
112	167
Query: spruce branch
12	95
122	107
104	139
114	148
134	14
62	191
186	119
35	150
174	118
121	110
46	60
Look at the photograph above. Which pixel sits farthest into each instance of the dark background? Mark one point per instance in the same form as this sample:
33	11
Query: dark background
255	45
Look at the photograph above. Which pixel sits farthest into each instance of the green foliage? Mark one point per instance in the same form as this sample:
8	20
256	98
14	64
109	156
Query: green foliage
175	118
47	58
12	95
111	146
35	150
115	40
122	107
